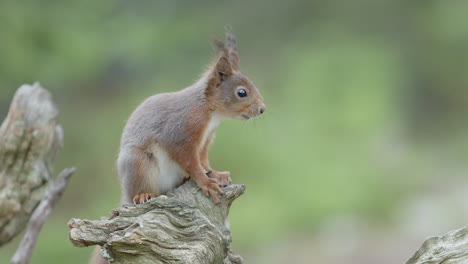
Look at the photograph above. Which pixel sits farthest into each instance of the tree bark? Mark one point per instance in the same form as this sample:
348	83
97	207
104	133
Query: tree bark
450	248
25	249
30	137
181	227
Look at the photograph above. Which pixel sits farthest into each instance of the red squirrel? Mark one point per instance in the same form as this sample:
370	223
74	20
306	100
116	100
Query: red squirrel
166	139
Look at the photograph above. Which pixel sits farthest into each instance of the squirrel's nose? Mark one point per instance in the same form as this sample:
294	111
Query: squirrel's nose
262	108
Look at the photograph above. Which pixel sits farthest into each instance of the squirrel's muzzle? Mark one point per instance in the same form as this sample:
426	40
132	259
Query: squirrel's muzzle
262	108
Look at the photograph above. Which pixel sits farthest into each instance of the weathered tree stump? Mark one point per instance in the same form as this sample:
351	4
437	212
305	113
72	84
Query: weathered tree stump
181	227
30	138
451	248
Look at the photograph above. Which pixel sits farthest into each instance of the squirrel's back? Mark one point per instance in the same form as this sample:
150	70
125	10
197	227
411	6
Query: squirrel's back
161	118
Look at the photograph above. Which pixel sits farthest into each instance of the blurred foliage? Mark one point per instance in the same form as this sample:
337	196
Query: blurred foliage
366	100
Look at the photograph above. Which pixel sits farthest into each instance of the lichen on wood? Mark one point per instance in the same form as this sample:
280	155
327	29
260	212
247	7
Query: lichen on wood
184	226
451	248
30	138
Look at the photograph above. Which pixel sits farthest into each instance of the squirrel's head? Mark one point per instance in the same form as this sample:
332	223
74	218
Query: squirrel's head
229	91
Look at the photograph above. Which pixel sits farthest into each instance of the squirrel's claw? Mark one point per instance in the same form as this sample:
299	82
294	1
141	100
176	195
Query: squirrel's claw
211	188
143	198
214	196
222	176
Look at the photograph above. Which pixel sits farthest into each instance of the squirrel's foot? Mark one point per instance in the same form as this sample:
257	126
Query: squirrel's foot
143	198
222	176
210	187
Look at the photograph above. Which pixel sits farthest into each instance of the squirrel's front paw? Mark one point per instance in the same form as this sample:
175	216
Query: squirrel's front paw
210	187
143	198
222	176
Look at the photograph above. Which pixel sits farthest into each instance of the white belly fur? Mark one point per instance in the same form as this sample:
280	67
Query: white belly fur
168	174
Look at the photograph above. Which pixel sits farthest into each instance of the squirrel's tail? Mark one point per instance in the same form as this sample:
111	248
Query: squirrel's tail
96	257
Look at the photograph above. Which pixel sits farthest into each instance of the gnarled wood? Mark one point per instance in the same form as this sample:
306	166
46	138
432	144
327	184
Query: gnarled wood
182	227
30	137
26	247
451	248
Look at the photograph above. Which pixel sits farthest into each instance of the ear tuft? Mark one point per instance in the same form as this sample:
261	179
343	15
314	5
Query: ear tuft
218	44
231	47
228	48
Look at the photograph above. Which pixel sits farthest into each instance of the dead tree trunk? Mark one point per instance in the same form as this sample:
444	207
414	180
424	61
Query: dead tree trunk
30	138
182	227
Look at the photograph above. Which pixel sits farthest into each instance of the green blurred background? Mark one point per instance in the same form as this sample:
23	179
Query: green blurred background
364	138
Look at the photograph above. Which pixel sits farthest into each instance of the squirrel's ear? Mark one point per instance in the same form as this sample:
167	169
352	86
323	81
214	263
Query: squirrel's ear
221	71
223	68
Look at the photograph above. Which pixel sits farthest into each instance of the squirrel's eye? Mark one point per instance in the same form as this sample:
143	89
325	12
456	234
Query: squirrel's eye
242	93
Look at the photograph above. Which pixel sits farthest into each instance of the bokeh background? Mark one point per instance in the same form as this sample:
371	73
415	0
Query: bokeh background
362	152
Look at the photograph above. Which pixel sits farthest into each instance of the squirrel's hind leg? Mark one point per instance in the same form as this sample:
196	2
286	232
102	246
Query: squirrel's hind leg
136	168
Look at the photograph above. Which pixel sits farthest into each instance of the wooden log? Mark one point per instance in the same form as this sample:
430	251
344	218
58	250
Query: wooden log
181	227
